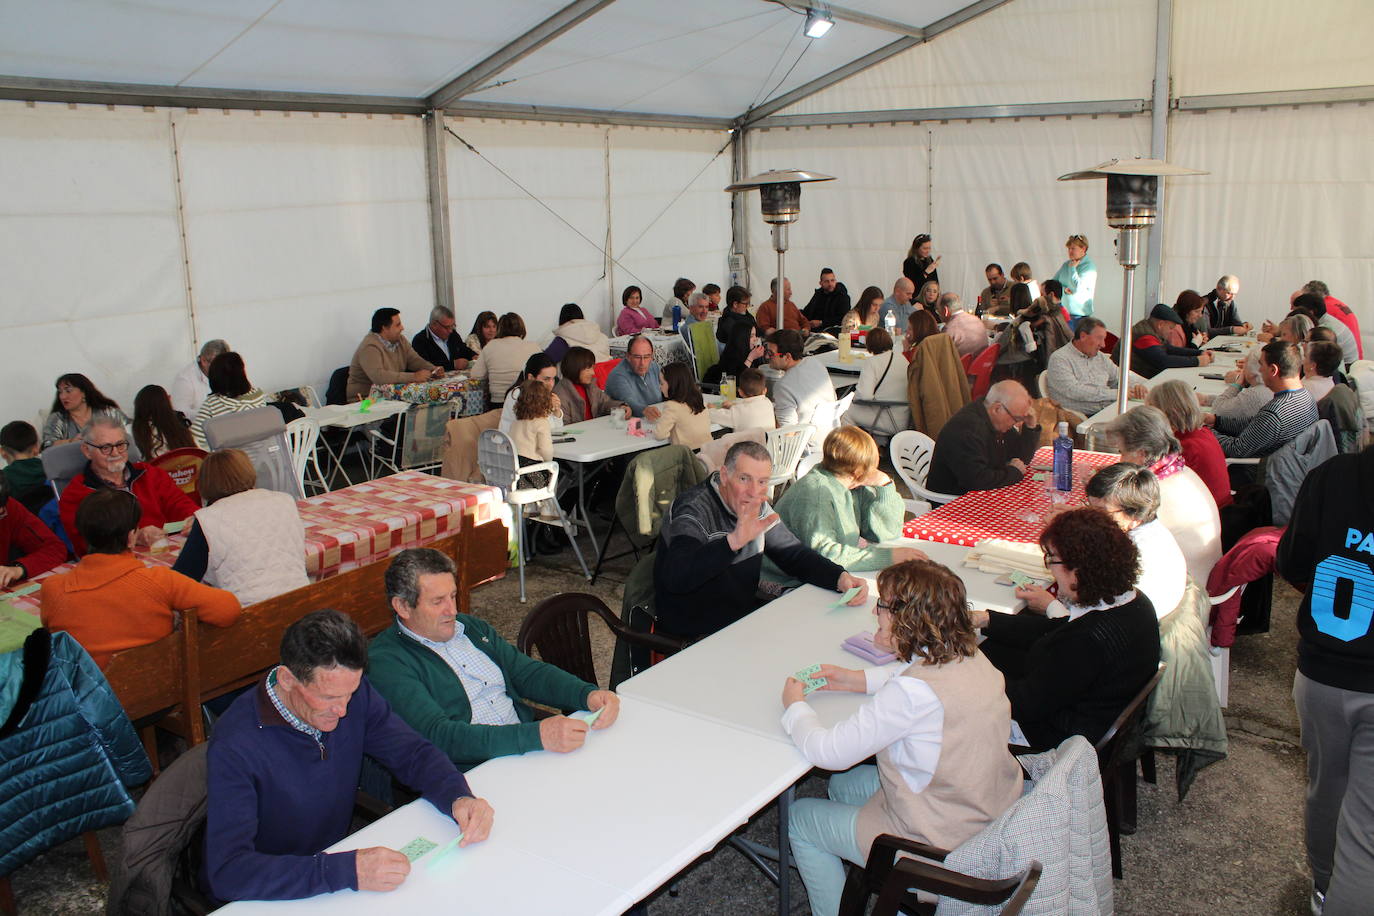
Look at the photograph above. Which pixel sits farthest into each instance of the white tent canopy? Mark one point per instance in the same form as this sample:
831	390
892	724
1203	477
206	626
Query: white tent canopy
271	172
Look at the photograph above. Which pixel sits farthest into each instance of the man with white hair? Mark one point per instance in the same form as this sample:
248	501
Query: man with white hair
438	344
1220	314
712	544
105	443
986	444
970	337
191	386
1245	391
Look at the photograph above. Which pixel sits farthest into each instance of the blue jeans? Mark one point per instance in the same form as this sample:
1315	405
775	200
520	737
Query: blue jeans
822	834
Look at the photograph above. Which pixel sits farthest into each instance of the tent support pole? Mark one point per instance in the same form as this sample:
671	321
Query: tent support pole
440	235
739	217
1159	148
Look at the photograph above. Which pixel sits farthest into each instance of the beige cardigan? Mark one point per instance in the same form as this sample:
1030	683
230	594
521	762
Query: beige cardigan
502	363
680	426
533	439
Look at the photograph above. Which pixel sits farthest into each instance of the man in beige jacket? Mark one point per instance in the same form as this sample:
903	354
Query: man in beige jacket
385	357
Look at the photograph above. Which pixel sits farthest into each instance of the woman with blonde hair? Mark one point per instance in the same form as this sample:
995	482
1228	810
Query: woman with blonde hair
845	508
938	726
246	540
929	299
1078	276
1201	451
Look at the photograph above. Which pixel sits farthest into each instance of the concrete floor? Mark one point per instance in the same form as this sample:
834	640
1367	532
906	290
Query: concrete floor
1234	846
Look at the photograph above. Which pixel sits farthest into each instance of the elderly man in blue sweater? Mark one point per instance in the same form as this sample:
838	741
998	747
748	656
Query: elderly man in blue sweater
283	773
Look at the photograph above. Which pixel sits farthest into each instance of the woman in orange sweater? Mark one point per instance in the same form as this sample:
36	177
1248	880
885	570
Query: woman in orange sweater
111	601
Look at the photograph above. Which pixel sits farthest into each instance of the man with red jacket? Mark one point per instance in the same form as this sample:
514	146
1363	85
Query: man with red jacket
27	547
106	447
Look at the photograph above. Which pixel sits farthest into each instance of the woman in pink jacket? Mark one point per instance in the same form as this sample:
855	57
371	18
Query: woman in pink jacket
634	317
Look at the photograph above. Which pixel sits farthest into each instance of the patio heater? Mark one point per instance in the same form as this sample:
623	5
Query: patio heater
780	194
1132	205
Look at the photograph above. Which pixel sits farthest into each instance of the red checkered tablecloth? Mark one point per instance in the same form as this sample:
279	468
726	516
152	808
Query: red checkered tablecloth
350	527
1015	513
363	523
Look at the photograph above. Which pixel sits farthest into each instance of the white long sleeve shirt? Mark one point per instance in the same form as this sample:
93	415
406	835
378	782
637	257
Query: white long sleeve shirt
904	715
1083	383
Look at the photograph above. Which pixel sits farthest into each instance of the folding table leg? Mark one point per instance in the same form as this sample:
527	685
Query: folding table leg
784	852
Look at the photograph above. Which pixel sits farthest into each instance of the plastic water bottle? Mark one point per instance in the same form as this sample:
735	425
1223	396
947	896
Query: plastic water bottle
1063	459
677	316
890	321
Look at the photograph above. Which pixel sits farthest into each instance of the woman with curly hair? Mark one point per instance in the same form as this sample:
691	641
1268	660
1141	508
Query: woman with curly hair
1073	675
938	727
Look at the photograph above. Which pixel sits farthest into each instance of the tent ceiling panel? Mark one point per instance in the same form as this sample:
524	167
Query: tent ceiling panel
1312	45
404	48
1020	52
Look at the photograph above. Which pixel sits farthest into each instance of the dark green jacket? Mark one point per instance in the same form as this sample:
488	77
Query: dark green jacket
426	693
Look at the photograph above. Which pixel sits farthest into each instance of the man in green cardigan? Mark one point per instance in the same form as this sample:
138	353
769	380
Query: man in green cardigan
454	680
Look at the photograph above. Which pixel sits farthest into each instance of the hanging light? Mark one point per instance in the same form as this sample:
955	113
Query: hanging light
1132	205
818	22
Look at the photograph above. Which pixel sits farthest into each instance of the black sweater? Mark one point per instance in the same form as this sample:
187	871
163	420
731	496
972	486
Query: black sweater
828	308
700	584
430	352
1079	674
1328	552
971	455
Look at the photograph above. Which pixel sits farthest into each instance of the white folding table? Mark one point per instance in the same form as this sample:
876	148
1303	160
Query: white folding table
349	417
591	832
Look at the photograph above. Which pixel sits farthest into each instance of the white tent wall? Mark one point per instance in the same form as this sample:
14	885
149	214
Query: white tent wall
89	252
669	212
659	190
1288	201
509	252
298	228
1229	46
994	199
856	224
1023	51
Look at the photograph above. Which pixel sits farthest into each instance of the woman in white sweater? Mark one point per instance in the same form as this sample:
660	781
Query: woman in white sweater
1186	506
502	361
883	378
939	728
246	540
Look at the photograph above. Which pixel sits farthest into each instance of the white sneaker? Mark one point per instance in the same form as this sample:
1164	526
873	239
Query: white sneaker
1318	901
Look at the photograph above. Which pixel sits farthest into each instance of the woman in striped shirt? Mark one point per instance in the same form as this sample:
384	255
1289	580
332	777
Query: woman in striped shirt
230	391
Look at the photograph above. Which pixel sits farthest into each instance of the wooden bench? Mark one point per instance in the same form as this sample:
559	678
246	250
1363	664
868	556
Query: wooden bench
159	683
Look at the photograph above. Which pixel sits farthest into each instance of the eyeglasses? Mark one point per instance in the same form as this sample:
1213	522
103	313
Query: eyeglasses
1052	560
110	448
1018	419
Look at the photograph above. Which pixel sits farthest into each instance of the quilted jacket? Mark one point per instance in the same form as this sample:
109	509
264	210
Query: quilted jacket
67	751
1062	823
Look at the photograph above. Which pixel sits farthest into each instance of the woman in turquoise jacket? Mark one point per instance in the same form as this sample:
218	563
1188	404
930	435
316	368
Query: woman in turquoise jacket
1079	277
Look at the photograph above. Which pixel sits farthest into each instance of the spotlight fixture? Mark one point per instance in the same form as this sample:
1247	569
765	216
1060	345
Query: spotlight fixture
818	22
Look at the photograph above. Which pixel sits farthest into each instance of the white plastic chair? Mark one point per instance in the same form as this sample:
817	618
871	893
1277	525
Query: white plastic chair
302	434
786	445
809	461
911	451
1221	656
828	415
1042	383
496	456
